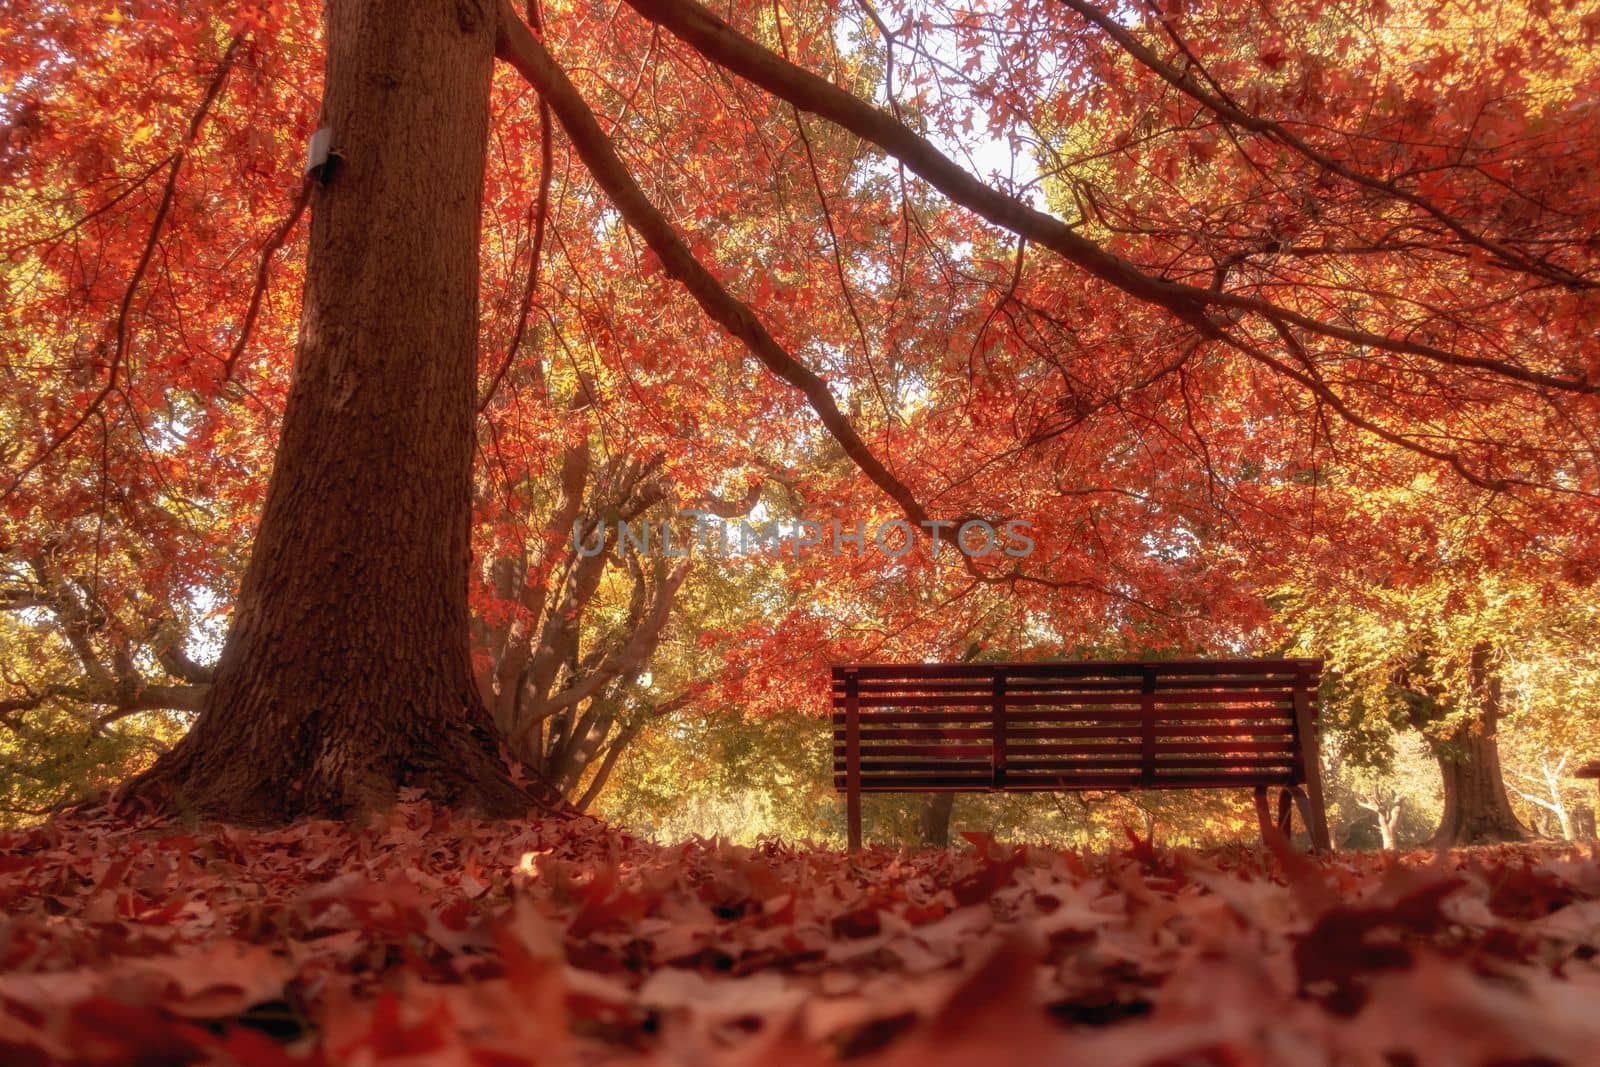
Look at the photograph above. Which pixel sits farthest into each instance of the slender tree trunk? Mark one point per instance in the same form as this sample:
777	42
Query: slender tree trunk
1476	808
1386	810
1389	827
1552	804
346	673
936	811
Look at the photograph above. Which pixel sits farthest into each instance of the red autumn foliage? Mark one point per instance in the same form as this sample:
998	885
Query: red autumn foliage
425	937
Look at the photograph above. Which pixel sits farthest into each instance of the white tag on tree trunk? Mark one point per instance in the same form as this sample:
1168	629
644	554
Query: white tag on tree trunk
318	151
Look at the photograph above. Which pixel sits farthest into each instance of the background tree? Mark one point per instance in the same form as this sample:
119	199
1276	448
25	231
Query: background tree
1453	658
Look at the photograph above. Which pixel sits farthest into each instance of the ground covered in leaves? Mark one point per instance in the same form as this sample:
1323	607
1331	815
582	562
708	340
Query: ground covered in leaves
424	938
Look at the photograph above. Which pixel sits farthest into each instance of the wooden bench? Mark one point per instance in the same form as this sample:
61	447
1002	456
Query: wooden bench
1046	727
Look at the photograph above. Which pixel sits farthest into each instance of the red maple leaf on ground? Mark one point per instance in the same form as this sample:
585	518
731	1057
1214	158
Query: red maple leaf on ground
425	938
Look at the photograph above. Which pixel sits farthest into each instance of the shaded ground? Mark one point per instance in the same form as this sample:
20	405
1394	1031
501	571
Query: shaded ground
427	939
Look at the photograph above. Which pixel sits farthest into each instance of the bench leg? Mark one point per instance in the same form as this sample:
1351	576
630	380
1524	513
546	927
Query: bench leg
1314	818
1289	799
852	805
1263	810
1317	819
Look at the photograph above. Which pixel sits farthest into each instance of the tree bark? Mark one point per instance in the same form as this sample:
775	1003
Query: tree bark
936	811
346	673
1476	808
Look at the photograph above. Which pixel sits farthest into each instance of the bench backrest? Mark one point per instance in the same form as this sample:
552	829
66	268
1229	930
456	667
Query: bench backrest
970	727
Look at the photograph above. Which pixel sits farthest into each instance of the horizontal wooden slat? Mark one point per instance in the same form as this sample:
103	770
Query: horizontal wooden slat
868	718
1202	716
1070	689
1162	748
1064	718
1015	762
1055	783
1216	762
909	734
1051	733
1051	783
1224	698
1046	761
1199	717
928	765
913	700
931	766
1016	739
1227	729
982	684
1087	748
894	742
1174	694
986	699
1162	729
1066	764
933	757
1068	713
1242	681
951	751
1186	695
923	733
1179	715
925	783
1276	748
1077	668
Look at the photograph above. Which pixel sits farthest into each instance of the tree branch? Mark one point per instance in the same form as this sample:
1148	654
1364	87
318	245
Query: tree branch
713	38
176	662
541	215
634	651
1218	104
518	46
275	241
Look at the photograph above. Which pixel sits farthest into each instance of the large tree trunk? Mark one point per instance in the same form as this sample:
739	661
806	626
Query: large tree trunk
1476	808
346	674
